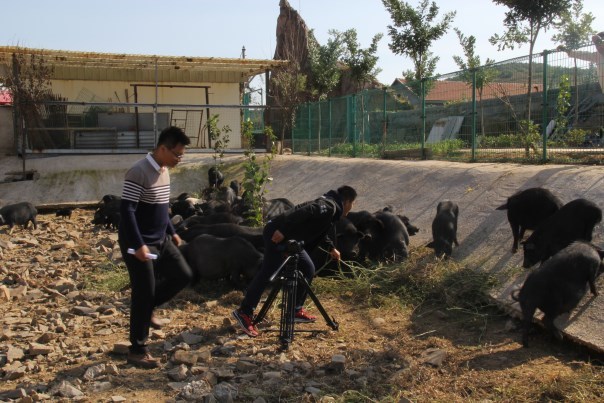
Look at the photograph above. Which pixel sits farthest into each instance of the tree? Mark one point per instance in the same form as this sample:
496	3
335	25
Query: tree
360	62
325	69
413	33
523	22
288	83
471	65
574	30
324	66
256	175
29	85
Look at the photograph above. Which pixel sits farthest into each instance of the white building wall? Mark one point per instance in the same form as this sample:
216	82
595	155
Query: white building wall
119	91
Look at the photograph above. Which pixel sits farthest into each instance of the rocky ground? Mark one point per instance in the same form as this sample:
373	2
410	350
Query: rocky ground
63	337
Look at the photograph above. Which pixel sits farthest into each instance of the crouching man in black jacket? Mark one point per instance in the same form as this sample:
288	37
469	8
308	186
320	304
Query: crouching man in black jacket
307	222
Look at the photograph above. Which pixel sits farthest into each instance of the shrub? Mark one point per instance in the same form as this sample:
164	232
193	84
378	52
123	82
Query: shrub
572	138
256	173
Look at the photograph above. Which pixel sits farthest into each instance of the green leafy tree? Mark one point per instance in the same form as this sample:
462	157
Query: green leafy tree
220	140
523	22
325	68
256	175
326	72
574	29
219	137
562	105
360	62
469	65
412	34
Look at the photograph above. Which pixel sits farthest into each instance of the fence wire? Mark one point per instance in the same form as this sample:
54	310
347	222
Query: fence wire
547	110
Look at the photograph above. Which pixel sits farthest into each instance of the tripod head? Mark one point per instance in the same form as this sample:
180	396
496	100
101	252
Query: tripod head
291	247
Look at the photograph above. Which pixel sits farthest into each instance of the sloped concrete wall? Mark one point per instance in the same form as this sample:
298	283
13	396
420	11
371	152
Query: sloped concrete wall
413	188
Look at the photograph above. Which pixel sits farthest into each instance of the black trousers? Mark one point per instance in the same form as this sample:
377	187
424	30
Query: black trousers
153	283
273	258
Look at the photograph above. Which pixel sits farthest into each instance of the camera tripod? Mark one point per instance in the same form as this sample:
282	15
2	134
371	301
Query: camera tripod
287	279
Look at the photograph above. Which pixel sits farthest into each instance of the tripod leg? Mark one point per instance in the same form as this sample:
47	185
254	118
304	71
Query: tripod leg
286	328
268	303
330	321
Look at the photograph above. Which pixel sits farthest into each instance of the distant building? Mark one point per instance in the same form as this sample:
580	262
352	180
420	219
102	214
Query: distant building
5	97
445	91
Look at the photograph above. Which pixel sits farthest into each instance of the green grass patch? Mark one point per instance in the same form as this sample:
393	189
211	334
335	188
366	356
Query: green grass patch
107	277
420	279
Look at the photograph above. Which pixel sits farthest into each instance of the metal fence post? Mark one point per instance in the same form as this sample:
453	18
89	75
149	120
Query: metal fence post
320	123
330	126
473	159
353	102
545	107
423	117
309	106
384	122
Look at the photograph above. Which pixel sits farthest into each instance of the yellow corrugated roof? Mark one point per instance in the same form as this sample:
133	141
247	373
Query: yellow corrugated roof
76	63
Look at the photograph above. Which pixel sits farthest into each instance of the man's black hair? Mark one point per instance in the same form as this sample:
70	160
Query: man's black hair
172	136
347	193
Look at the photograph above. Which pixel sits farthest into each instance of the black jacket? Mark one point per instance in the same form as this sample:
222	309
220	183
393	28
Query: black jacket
311	221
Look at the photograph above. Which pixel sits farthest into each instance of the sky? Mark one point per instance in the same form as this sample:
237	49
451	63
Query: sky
220	28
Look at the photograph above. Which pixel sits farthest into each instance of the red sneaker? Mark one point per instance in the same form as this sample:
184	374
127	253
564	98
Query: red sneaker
302	316
246	323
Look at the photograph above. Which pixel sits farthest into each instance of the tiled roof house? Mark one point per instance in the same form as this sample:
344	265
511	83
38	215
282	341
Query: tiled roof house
456	91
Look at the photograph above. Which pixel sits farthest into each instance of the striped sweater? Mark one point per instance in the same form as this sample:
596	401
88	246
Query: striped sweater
145	203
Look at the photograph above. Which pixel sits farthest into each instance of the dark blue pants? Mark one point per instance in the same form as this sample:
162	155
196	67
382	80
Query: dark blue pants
273	259
153	283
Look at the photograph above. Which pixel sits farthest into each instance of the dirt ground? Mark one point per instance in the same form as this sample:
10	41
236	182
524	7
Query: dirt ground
391	352
385	347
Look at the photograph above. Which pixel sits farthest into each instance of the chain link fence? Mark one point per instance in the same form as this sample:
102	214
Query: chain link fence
550	110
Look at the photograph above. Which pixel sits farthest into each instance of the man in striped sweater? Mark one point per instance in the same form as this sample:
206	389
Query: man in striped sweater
148	242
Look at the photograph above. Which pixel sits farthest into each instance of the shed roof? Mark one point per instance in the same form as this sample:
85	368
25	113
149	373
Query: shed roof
75	65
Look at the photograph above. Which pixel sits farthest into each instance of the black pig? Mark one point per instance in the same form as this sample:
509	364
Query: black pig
64	212
444	228
224	230
558	285
573	222
215	177
18	214
527	209
394	240
214	258
411	229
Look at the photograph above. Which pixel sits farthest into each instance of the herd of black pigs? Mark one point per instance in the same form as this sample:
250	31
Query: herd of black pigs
219	244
